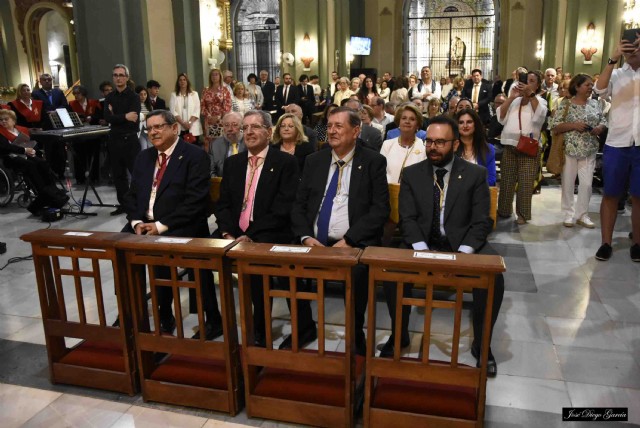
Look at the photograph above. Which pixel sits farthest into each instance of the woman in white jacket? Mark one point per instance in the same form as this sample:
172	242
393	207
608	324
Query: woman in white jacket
185	106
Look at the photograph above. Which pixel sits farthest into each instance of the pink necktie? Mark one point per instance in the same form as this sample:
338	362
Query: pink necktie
250	184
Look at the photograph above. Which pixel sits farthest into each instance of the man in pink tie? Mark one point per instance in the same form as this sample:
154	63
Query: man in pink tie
169	196
257	191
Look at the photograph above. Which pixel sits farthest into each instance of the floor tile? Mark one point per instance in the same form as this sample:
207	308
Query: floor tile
587	395
18	404
529	359
584	333
140	417
527	393
599	366
531	328
73	410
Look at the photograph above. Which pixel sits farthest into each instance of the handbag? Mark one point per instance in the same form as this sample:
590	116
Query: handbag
556	160
526	145
189	138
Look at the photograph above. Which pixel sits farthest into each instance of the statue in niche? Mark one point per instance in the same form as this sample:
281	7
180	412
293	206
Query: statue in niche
458	52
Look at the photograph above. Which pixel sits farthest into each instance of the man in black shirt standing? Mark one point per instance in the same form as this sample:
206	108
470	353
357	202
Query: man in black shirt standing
122	111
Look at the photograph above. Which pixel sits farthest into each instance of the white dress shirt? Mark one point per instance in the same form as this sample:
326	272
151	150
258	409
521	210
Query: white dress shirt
398	156
624	114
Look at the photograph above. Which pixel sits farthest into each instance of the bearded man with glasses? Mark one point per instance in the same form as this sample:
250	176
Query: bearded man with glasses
444	206
122	112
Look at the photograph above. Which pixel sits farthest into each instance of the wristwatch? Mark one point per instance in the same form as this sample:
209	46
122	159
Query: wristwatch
612	62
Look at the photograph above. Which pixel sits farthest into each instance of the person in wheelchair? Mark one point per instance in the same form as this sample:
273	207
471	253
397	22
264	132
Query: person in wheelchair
18	153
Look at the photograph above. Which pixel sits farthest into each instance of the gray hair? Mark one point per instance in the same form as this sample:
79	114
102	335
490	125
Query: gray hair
232	113
266	117
126	69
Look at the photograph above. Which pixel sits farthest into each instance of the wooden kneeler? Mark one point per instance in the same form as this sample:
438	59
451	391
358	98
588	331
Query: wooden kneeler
300	386
411	392
69	266
194	372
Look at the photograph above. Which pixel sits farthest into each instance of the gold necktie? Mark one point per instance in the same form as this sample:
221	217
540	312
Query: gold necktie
234	148
474	98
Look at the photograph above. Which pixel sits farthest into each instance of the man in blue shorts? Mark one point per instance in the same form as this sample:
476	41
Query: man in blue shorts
621	154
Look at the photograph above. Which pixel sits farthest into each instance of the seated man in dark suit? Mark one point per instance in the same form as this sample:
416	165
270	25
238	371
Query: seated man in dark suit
245	215
342	201
447	213
169	195
369	137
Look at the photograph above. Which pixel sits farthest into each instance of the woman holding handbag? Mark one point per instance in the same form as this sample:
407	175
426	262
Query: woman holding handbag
580	120
522	115
185	106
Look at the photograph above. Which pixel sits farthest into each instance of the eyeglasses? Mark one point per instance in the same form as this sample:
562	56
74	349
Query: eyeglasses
118	75
439	143
159	127
253	127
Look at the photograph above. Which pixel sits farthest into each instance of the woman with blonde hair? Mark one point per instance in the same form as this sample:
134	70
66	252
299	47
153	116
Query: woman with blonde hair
241	102
289	137
216	102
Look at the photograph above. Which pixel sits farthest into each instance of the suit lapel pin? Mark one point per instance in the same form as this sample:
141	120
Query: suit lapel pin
459	177
271	170
359	166
180	157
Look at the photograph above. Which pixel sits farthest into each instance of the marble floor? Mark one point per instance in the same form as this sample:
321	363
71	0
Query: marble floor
568	333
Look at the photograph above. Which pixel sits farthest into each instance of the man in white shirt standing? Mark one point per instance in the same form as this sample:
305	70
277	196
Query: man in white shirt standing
427	87
621	153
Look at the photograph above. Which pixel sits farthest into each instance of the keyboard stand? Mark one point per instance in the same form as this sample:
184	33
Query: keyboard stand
89	183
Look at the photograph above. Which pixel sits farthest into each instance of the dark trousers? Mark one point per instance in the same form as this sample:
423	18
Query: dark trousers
56	155
122	154
360	281
83	152
479	302
209	298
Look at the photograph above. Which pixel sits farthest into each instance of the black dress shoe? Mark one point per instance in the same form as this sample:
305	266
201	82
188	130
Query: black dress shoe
117	211
604	252
167	325
304	338
492	366
387	349
210	331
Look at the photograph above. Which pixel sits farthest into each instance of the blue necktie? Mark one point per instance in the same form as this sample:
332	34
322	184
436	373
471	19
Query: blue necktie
327	205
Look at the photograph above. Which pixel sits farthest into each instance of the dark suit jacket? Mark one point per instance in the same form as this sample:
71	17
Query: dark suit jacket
306	101
312	135
268	91
371	138
274	196
484	97
467	204
368	196
293	97
59	100
182	198
302	151
160	104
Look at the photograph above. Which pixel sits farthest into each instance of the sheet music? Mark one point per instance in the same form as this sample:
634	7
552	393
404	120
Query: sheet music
63	114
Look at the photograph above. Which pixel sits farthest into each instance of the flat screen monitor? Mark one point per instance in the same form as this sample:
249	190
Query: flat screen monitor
360	45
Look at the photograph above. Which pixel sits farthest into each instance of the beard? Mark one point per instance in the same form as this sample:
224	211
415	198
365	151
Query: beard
442	160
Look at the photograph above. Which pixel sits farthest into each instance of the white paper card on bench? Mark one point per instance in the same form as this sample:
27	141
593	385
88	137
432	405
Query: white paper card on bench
165	240
285	249
78	234
434	256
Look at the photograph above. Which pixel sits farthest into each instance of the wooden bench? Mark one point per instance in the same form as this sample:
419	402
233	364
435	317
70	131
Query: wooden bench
300	386
195	372
411	392
73	274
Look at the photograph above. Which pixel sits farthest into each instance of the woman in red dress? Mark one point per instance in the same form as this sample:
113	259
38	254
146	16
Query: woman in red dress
214	103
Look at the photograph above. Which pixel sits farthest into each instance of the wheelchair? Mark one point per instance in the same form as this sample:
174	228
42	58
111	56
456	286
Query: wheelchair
11	183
